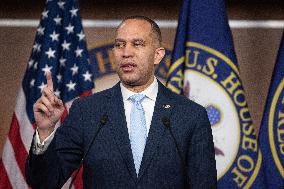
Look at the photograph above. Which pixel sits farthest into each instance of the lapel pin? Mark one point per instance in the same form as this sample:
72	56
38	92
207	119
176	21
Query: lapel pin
167	106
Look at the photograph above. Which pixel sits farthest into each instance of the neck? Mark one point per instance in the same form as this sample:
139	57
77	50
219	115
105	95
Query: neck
138	88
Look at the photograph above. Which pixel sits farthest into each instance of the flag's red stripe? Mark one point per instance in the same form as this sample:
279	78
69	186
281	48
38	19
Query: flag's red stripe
34	125
4	179
64	115
86	93
78	184
17	144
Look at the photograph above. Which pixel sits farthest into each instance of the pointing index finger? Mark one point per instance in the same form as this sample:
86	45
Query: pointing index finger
49	81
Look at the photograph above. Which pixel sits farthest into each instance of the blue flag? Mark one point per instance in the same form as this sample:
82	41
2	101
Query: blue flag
271	137
204	68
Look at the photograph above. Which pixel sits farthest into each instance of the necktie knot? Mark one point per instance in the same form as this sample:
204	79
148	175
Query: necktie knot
137	99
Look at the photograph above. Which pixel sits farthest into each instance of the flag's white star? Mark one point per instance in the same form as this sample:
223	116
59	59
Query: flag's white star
57	93
74	69
44	14
70	29
65	45
41	86
78	52
57	20
50	53
32	83
59	78
35	65
36	47
40	30
73	12
71	86
87	76
62	61
81	35
46	69
61	4
31	62
54	36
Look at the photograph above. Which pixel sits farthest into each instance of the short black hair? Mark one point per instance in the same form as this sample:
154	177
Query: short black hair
154	26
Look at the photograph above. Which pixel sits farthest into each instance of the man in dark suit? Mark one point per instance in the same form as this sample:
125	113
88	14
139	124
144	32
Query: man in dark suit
137	134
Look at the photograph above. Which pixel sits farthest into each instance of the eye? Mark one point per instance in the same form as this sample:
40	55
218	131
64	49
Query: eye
118	45
139	44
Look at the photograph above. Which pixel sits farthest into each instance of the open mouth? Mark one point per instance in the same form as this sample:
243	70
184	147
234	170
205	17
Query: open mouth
127	67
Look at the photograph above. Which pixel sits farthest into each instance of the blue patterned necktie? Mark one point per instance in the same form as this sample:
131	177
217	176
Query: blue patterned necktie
138	130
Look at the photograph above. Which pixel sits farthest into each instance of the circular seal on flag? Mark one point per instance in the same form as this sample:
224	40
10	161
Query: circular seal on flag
222	114
212	80
276	127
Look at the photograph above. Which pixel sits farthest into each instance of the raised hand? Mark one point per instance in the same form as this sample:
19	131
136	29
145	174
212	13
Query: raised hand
47	110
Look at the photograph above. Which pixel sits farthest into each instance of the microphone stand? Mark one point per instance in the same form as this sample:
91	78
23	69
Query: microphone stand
167	124
103	121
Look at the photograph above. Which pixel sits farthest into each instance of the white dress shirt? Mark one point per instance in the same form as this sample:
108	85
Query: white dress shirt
148	104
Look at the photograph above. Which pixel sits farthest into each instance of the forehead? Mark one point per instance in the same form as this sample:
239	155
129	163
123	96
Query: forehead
133	28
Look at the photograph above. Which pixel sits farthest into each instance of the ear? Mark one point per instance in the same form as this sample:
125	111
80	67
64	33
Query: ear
159	55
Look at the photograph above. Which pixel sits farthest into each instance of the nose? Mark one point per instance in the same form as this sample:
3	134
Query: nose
128	51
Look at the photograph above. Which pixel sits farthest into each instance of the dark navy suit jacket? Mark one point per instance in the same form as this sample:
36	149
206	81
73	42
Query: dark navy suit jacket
109	163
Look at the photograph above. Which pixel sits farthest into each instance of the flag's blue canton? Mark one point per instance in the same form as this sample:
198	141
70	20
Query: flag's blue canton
59	47
213	115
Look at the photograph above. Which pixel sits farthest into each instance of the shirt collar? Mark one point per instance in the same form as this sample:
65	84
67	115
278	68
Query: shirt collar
150	92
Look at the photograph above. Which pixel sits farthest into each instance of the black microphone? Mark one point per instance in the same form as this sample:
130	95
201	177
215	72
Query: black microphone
167	123
103	121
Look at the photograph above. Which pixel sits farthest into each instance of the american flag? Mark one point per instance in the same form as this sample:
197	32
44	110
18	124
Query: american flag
60	48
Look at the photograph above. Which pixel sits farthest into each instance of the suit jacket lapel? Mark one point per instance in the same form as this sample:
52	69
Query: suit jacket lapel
119	128
163	107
